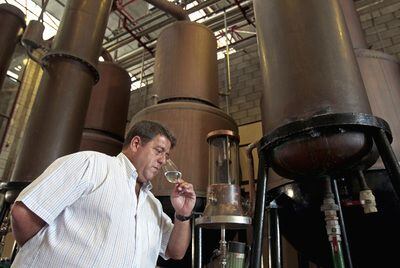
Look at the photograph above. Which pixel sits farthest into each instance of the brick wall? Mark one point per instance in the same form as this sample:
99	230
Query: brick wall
380	21
246	84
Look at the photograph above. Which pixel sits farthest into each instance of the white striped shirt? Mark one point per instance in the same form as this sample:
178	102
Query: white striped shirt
93	216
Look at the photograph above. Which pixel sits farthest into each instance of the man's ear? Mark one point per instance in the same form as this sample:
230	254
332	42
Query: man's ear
135	143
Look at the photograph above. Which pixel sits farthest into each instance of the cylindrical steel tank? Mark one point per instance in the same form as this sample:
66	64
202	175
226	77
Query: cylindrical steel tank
186	63
12	22
381	75
190	122
353	24
58	115
105	122
309	69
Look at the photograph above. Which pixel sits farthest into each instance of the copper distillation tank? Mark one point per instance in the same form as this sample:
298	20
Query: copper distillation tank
317	121
224	205
105	122
186	83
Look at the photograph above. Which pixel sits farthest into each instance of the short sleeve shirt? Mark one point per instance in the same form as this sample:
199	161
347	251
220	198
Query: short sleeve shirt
94	218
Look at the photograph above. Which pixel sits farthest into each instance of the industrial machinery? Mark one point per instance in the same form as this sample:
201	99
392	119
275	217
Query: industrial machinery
189	92
305	50
224	203
105	122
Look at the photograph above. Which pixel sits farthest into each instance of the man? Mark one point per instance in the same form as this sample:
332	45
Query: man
91	210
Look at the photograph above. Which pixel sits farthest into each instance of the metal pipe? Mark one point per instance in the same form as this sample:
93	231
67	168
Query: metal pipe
227	67
259	213
244	13
333	229
134	55
223	243
231	11
342	225
274	237
106	55
389	159
199	248
55	126
250	165
176	11
156	17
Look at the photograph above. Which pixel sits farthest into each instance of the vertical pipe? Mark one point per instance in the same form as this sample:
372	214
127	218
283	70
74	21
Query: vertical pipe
342	225
12	21
388	158
198	254
275	237
58	115
228	85
259	212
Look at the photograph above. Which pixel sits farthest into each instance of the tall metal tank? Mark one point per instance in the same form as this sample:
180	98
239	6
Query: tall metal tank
309	69
55	126
186	65
12	23
299	203
353	24
380	73
186	80
28	88
190	122
105	121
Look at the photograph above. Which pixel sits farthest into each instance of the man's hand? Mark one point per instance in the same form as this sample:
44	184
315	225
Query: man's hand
183	198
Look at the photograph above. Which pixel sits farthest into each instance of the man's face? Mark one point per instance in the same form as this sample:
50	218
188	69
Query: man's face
149	157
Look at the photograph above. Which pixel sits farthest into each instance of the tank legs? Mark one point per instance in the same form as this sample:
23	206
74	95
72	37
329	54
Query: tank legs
259	213
388	158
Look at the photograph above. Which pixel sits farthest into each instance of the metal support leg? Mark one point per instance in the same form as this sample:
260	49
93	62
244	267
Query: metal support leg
259	213
347	254
389	159
275	245
197	241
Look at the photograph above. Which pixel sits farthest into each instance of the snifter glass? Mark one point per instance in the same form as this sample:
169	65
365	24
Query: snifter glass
171	172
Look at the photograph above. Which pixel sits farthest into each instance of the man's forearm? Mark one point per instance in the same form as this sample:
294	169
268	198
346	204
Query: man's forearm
25	223
179	239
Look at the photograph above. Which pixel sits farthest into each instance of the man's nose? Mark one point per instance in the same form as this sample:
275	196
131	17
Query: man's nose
162	159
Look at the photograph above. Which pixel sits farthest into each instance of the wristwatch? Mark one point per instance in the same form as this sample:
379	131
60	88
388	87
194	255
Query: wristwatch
183	218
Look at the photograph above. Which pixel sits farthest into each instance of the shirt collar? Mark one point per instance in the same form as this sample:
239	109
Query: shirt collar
131	170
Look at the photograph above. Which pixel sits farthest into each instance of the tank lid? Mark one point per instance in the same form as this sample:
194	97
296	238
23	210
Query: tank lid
14	11
222	132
